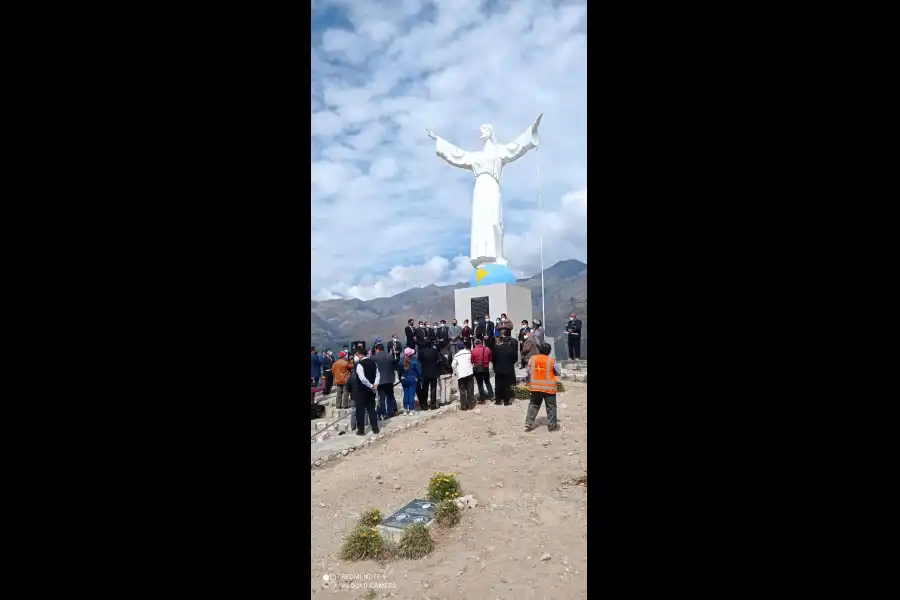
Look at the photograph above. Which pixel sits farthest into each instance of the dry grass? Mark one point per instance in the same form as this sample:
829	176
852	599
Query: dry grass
415	542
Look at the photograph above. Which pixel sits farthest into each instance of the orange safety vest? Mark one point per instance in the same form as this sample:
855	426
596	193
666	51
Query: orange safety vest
543	379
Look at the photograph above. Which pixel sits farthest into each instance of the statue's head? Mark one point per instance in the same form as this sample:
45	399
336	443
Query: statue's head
487	132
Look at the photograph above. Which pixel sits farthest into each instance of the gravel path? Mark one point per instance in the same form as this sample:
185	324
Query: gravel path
526	539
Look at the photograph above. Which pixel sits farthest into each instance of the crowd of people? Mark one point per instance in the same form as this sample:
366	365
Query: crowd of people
438	359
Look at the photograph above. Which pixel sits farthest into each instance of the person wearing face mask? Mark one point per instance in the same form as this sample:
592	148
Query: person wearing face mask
573	330
421	334
489	333
466	334
522	331
395	348
433	332
443	332
455	331
538	332
410	332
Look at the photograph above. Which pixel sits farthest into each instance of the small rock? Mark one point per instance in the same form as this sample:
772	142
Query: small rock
478	560
545	443
322	504
500	485
425	585
397	488
571	454
459	573
378	477
345	452
545	556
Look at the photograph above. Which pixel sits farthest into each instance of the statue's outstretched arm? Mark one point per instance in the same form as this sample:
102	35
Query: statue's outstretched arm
450	153
522	144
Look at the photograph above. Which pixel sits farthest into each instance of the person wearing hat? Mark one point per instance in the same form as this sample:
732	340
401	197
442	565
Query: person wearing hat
538	330
573	329
340	370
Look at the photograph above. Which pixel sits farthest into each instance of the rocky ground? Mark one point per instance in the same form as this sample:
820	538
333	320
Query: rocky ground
526	538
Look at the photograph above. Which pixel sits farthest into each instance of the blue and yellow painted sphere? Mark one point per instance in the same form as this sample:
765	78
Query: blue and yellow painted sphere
491	273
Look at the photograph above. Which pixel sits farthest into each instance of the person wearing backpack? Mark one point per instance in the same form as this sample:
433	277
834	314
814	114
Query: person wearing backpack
410	373
481	361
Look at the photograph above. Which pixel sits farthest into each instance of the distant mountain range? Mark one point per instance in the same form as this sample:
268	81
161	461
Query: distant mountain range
338	322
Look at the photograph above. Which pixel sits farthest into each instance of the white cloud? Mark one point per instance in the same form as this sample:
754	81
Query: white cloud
387	213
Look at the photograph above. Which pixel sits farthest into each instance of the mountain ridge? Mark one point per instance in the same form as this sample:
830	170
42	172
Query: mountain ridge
339	321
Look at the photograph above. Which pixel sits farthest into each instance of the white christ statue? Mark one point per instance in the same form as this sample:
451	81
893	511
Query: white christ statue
487	208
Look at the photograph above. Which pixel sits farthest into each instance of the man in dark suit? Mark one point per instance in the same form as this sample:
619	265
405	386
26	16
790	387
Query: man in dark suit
421	334
443	332
505	355
489	339
428	358
410	332
573	331
433	332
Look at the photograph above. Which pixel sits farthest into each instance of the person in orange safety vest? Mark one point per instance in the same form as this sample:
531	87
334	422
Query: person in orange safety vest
542	374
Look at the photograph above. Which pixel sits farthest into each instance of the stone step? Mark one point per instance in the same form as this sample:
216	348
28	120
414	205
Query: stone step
335	430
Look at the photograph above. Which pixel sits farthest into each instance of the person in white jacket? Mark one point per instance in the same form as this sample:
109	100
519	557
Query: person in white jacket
462	364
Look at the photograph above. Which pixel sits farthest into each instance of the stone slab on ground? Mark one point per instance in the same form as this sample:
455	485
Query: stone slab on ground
415	511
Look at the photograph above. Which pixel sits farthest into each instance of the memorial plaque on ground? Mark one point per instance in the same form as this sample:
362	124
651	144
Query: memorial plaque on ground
416	511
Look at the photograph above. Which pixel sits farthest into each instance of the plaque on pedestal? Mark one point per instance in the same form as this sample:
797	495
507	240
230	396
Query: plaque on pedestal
495	299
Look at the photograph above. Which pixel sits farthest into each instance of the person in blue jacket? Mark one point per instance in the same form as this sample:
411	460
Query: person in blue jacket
315	366
410	372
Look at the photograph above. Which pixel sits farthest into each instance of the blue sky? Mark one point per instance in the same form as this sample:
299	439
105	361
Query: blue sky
387	213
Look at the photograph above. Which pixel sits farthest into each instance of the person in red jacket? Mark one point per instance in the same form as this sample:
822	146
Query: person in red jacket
481	364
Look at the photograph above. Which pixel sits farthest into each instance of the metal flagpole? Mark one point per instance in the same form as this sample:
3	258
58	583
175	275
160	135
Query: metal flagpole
540	210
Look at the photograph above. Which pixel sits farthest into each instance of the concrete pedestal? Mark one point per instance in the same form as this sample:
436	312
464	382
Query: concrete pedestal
511	299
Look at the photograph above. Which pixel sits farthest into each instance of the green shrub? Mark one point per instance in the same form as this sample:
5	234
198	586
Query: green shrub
362	542
415	542
443	486
447	513
371	517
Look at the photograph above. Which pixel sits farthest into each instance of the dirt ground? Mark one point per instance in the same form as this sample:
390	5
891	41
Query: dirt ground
527	507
